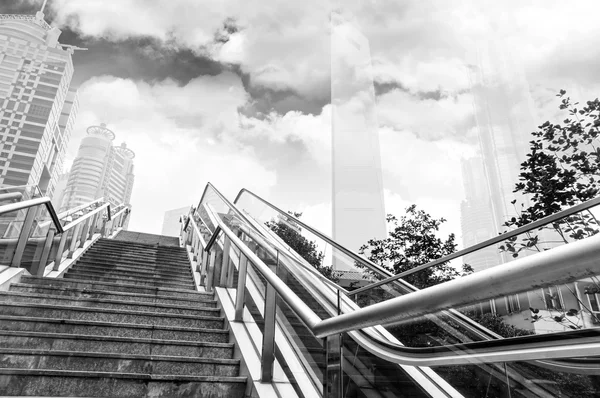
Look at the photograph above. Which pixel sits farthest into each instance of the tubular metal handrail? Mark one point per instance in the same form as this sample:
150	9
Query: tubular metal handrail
391	277
32	203
368	263
580	255
78	208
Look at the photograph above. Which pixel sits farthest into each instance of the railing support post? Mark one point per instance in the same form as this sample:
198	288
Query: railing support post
24	236
241	288
93	224
333	381
59	252
225	262
268	346
73	244
40	266
211	270
85	232
202	267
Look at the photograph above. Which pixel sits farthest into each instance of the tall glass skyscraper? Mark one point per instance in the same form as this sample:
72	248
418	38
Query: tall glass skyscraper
37	106
100	170
358	203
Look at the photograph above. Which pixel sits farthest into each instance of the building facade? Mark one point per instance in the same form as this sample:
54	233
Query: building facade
100	170
357	186
37	105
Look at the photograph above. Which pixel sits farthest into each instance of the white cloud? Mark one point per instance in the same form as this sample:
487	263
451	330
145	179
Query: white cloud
169	128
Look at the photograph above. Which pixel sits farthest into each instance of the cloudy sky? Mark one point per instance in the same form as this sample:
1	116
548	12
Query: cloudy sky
237	92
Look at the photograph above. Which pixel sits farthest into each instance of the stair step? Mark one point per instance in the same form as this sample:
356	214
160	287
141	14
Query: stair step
116	384
116	287
115	279
137	256
123	345
89	302
111	295
96	328
117	245
131	275
54	311
117	362
148	268
139	260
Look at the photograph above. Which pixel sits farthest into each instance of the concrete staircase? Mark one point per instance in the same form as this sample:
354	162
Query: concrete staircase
125	321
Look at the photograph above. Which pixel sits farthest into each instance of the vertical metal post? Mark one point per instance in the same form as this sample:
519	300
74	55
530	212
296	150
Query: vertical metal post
73	244
39	267
93	224
24	236
333	382
225	262
241	288
202	267
61	249
103	228
211	270
85	232
268	346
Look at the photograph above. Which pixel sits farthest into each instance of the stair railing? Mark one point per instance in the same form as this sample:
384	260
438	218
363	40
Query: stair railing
53	236
548	268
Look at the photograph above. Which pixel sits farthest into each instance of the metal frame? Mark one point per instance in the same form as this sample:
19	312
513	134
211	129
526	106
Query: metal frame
84	227
545	269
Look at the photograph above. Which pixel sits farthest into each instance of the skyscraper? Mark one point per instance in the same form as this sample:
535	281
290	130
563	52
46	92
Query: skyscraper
100	170
37	106
358	204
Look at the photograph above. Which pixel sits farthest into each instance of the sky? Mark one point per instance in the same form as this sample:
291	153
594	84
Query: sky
237	92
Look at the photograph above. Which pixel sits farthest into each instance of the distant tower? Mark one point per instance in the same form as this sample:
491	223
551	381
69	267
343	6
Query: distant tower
37	106
100	170
358	204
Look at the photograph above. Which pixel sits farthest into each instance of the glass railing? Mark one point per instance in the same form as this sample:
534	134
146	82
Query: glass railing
451	328
447	330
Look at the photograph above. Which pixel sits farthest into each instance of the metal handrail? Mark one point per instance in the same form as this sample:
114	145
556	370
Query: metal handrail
581	255
78	208
32	203
81	219
391	277
368	263
497	239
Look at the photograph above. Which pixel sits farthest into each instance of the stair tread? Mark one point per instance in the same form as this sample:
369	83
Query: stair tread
30	351
75	280
110	310
105	278
108	301
111	324
119	375
143	268
207	299
45	335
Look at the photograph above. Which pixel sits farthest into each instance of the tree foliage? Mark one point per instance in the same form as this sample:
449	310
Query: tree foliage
413	241
290	234
562	169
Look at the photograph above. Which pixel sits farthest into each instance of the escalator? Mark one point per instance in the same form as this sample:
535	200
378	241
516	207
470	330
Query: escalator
366	371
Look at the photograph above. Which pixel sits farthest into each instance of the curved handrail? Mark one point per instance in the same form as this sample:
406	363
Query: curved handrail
32	203
368	263
581	343
456	316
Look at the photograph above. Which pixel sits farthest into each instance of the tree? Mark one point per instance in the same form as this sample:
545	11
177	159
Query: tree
413	241
562	169
289	232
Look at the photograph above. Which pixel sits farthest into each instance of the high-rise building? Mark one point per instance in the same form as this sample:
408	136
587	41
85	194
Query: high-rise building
171	226
37	105
358	204
477	221
100	170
